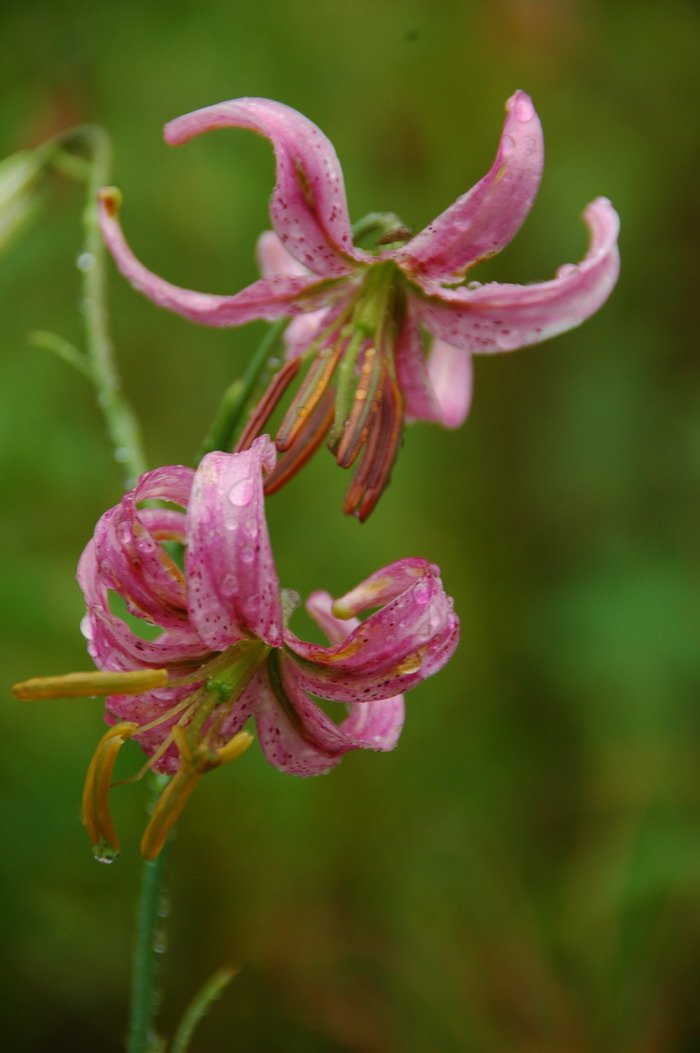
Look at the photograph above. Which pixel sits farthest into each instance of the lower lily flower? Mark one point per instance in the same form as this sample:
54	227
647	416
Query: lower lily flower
363	345
225	652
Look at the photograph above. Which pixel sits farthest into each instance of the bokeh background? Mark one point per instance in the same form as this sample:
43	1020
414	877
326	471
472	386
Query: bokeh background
523	873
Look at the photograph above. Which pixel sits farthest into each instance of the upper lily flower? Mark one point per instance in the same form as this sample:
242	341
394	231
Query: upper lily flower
225	652
364	347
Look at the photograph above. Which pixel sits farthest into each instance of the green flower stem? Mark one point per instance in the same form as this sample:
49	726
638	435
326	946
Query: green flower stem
83	153
141	1037
228	416
64	349
199	1005
122	426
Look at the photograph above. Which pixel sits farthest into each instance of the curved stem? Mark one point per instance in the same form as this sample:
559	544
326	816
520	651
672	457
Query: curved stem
141	1037
199	1006
122	425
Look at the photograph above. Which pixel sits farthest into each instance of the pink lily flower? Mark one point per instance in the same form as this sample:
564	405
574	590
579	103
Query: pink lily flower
364	345
225	652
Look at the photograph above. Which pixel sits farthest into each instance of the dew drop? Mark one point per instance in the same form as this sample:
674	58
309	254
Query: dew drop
228	585
121	454
507	340
85	261
103	852
241	493
567	270
507	144
160	942
421	593
473	285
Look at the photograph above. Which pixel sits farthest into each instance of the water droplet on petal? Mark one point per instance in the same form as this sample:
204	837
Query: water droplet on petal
421	593
250	528
567	270
228	585
507	144
473	285
507	340
241	493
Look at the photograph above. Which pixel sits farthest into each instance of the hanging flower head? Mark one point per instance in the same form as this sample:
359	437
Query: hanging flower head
225	652
363	346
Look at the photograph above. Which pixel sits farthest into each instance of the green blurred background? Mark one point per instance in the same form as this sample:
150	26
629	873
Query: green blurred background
523	873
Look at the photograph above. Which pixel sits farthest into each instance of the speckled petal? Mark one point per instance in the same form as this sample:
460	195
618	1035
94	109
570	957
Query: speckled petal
129	557
379	723
299	738
111	643
498	317
233	589
308	207
438	388
273	261
396	647
268	298
489	215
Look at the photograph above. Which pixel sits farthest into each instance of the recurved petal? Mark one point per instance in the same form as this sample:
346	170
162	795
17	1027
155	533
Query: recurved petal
130	557
396	647
438	388
451	373
172	482
489	215
498	317
378	722
273	259
132	562
405	576
233	589
299	738
111	643
308	207
268	298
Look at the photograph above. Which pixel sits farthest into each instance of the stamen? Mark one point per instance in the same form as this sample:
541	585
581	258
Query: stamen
79	685
235	747
191	703
167	812
266	406
310	393
96	816
304	448
368	395
372	476
193	764
344	387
